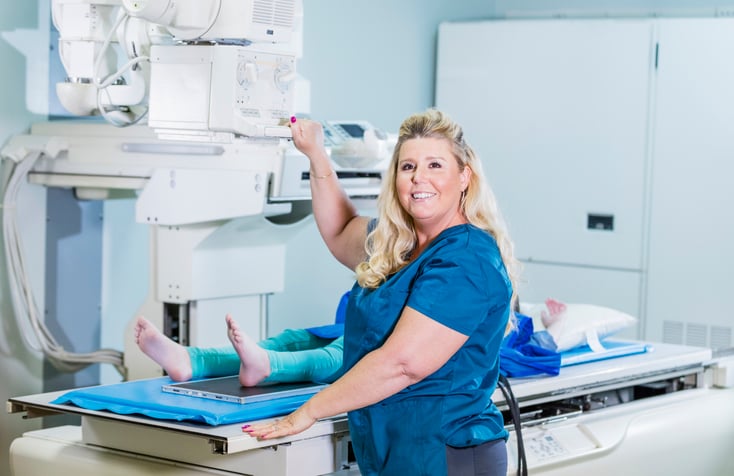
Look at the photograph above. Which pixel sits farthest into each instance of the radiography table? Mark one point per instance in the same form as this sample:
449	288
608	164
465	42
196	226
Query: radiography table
665	411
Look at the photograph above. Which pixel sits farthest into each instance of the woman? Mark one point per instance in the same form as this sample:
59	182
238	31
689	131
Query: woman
428	312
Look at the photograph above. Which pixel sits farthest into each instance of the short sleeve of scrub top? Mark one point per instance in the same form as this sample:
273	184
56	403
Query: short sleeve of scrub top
461	283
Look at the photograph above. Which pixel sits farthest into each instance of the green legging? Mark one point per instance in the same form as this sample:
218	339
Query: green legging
295	355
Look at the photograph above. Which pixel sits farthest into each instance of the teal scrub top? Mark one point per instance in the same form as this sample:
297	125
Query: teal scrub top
460	281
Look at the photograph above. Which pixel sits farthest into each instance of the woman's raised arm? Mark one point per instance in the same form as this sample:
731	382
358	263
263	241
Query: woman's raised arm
338	221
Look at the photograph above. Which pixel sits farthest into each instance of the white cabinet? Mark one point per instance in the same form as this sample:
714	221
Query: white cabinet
690	281
587	137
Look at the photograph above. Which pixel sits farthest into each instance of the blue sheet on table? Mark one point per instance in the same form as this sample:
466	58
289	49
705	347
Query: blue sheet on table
612	349
145	397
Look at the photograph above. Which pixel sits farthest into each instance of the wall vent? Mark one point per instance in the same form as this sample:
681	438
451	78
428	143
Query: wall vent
699	335
673	332
721	337
696	334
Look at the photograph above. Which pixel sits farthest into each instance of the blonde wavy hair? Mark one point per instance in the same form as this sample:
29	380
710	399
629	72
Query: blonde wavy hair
390	244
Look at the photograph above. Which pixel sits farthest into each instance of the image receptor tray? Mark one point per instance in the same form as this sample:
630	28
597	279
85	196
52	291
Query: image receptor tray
229	389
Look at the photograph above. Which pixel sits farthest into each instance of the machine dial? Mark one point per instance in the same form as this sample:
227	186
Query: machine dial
283	76
247	73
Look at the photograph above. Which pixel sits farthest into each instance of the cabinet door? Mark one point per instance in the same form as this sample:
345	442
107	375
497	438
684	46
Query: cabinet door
691	255
558	112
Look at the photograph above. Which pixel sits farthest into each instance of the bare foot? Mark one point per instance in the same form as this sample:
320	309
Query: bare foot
255	366
170	355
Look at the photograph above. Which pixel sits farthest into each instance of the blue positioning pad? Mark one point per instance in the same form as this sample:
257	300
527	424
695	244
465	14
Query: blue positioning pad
145	397
612	349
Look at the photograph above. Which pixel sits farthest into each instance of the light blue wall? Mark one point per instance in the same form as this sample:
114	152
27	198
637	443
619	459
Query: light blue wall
20	369
611	8
375	60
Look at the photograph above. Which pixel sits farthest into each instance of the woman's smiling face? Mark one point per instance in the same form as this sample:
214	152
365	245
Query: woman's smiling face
429	183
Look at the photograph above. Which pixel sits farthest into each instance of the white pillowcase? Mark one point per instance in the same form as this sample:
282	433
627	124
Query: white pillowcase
574	325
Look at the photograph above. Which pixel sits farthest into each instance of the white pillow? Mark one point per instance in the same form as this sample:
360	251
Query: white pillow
574	325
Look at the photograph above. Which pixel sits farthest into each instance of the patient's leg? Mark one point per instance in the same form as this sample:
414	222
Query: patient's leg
255	366
319	365
170	355
291	340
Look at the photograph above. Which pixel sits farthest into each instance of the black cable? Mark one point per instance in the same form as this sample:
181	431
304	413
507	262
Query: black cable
504	385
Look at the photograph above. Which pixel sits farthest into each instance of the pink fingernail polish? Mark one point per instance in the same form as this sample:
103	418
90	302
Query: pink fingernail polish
293	119
245	426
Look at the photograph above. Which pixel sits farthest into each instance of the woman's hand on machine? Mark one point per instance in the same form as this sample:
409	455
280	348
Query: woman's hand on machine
292	424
